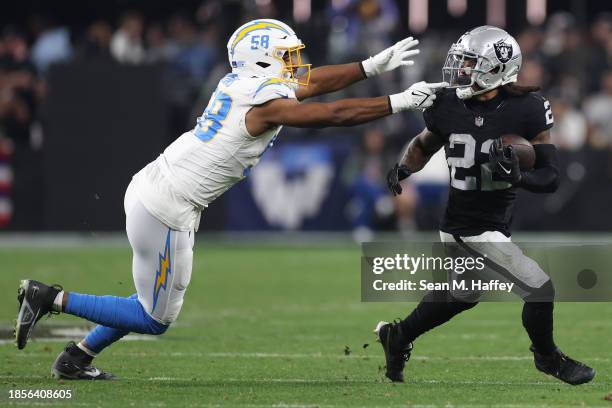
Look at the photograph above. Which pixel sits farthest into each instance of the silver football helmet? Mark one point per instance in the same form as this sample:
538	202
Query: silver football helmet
483	59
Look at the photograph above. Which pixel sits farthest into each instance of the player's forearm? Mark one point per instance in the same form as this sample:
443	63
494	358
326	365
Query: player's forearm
355	111
331	78
418	153
544	178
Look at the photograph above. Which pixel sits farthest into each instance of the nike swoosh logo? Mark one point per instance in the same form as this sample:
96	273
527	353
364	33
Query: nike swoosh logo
504	169
94	373
419	94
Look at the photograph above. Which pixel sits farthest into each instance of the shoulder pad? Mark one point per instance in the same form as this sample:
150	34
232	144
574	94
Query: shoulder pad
537	114
272	88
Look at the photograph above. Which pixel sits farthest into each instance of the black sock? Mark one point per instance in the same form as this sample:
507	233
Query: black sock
538	321
75	351
436	308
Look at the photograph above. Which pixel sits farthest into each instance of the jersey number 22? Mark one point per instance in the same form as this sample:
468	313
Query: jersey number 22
468	160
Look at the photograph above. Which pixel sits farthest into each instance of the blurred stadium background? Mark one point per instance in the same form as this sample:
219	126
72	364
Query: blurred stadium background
89	93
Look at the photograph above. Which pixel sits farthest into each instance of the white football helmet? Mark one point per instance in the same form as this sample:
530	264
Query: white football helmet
486	56
269	49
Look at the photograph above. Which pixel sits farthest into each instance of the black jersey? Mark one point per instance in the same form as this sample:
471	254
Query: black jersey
478	202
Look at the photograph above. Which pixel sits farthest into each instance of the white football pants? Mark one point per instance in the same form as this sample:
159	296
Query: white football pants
162	260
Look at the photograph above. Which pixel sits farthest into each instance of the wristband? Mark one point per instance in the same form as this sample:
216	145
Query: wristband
363	70
397	103
368	68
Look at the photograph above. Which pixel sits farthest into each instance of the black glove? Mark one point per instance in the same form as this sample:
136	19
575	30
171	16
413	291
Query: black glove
504	162
395	175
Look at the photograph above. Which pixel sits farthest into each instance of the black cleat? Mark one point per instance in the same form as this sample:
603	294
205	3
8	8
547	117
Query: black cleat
74	364
35	301
396	352
562	367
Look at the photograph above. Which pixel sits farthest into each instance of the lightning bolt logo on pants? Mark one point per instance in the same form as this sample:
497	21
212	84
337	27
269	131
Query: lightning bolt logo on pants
164	270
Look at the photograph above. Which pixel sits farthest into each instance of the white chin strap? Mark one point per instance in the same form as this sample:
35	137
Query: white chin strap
464	93
468	91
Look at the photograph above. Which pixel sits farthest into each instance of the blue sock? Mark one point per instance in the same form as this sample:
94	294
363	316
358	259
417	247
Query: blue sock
102	336
126	314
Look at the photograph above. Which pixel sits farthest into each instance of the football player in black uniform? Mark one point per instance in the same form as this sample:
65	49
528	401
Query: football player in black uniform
481	104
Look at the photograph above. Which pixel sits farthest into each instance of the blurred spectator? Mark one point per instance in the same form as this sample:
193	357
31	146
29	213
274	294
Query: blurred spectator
18	87
159	49
19	94
573	59
192	62
371	206
570	129
598	110
377	20
197	54
431	184
556	27
126	44
6	183
531	74
52	43
360	28
96	44
530	41
599	62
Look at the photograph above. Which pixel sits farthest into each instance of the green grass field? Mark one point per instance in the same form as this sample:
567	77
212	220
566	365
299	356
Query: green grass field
269	325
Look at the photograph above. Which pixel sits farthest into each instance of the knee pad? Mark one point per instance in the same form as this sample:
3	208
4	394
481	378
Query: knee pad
154	327
545	293
148	325
465	296
454	303
457	306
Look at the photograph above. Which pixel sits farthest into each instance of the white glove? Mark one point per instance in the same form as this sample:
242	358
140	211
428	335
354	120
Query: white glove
419	96
391	58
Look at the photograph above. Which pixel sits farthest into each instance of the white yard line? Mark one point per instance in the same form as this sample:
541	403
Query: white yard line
65	338
296	405
284	405
330	381
264	355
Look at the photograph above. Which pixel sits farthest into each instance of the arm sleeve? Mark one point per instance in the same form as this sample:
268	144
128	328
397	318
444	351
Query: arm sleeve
538	116
271	89
544	178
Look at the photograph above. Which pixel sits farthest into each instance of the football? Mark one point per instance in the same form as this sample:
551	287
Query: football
523	149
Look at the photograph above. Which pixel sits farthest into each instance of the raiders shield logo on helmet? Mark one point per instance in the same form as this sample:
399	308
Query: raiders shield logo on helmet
503	51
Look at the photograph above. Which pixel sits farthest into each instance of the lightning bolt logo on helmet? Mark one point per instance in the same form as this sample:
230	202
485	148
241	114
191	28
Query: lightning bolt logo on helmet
164	270
268	48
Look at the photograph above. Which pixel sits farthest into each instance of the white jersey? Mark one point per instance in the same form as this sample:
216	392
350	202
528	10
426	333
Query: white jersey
219	152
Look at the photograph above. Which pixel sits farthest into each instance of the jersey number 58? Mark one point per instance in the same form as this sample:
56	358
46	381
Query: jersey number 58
212	119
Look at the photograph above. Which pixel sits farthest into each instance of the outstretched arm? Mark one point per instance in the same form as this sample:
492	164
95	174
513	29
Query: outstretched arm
333	78
344	112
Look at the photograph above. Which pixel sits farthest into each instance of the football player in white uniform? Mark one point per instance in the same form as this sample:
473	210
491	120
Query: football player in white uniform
164	201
